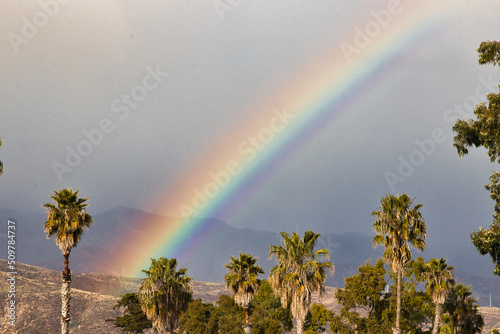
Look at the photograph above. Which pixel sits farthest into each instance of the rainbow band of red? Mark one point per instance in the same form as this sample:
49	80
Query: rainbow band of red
321	90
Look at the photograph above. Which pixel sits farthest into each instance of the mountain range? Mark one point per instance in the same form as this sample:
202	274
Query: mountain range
38	301
206	261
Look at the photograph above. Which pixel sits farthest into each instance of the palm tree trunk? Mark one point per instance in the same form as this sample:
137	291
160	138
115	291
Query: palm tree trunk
247	328
66	263
65	298
397	330
437	318
300	326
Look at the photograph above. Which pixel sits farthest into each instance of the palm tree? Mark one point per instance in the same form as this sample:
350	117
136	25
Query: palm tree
66	221
464	316
399	224
298	272
440	281
243	282
165	293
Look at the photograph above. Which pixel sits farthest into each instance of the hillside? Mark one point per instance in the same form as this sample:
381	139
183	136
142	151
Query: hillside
94	295
38	300
100	249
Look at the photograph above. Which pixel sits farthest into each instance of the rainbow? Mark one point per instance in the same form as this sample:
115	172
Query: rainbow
235	168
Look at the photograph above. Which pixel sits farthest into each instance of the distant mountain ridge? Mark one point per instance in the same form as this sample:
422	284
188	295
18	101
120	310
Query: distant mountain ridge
94	295
206	261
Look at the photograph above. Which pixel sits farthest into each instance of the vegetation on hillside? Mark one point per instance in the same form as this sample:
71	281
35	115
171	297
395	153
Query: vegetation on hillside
133	320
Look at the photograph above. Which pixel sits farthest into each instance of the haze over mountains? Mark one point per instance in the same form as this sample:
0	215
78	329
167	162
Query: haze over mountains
94	295
206	261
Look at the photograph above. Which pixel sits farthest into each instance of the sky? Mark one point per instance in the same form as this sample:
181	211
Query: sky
291	115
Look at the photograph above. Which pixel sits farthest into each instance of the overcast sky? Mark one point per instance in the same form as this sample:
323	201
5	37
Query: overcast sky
167	82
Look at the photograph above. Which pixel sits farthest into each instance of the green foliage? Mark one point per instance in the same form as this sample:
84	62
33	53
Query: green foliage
165	293
462	314
365	291
489	53
485	132
267	326
197	317
268	316
439	282
229	317
439	279
133	320
299	271
242	278
399	225
487	241
66	221
417	309
494	188
317	319
67	218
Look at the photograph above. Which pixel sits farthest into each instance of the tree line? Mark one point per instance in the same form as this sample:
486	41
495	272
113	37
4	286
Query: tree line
366	305
164	300
165	296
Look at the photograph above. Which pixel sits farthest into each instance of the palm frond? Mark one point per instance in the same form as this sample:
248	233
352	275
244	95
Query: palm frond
165	293
67	218
298	271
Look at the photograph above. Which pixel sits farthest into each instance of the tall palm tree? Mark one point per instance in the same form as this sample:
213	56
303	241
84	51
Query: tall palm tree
399	224
439	277
165	293
66	221
243	282
298	272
